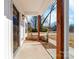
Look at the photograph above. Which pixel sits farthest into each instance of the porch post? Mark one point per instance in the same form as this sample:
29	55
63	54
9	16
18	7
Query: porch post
39	18
60	30
66	29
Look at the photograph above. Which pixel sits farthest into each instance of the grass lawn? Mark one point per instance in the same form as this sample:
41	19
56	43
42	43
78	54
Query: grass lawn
71	38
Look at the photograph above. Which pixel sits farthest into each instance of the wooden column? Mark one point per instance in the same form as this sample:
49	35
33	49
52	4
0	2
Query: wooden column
60	30
39	18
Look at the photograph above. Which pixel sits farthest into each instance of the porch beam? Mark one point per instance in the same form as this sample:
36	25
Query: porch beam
39	18
60	30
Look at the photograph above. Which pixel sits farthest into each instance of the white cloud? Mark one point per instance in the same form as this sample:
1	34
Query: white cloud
71	3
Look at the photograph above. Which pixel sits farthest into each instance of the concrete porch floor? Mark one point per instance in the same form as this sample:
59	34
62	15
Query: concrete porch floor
39	50
32	50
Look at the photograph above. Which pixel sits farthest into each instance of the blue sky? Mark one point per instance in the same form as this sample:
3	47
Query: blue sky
71	13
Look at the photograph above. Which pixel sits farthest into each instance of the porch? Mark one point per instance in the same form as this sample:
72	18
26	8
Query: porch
36	8
33	49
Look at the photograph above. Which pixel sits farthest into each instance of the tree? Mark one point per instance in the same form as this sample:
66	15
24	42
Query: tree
53	7
71	28
35	22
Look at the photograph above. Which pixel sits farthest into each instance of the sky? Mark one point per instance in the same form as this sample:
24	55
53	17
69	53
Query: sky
71	13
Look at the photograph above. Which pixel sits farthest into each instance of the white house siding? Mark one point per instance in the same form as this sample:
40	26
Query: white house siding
26	27
8	29
22	29
1	30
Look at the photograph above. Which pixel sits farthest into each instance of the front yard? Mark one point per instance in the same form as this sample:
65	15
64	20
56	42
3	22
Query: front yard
71	38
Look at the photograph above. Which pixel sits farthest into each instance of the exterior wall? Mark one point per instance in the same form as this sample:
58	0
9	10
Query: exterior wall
26	27
8	38
22	29
8	32
2	40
